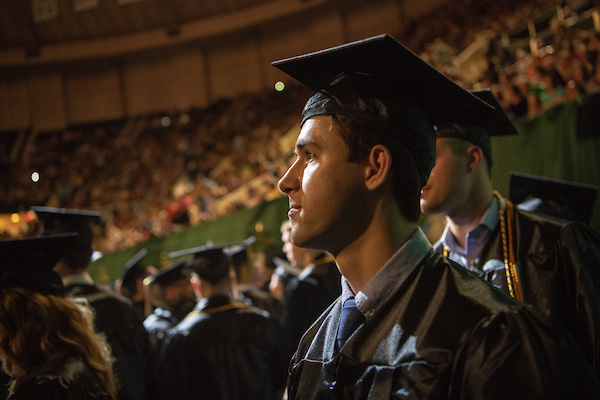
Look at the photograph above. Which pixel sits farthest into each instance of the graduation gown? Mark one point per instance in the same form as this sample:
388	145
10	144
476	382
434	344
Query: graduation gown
69	379
129	342
223	350
558	266
306	297
443	334
158	324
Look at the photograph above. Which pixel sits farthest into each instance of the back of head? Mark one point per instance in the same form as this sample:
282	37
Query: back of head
212	265
36	321
38	328
63	220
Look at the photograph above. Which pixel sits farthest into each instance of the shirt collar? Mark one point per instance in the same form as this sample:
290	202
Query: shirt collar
489	221
391	276
82	278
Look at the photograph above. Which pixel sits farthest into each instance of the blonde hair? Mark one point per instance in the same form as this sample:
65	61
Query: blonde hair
33	327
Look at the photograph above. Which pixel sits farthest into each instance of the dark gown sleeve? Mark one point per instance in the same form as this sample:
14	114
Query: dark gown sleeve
130	345
524	344
174	368
57	389
305	300
580	253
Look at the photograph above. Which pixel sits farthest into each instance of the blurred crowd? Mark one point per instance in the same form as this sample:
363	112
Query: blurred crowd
152	175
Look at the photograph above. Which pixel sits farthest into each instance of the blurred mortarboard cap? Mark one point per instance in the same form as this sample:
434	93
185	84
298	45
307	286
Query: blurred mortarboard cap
553	197
168	276
29	263
477	131
63	220
379	80
210	262
237	251
285	268
134	268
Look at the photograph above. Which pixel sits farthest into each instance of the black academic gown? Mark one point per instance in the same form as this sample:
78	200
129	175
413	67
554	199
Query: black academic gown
69	379
558	266
306	297
158	324
444	334
4	382
222	350
129	342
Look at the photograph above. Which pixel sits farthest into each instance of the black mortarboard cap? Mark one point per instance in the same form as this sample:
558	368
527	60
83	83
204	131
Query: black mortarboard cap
478	132
168	276
237	251
62	220
284	267
134	268
553	197
210	262
29	263
379	80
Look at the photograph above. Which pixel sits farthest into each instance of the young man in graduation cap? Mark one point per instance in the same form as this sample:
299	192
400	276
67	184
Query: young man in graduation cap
223	349
409	323
131	283
172	296
552	265
115	316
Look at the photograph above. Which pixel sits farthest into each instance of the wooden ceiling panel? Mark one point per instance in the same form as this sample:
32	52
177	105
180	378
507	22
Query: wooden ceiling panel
104	19
16	22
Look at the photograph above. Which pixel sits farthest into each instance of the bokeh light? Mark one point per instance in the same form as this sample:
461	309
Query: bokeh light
279	86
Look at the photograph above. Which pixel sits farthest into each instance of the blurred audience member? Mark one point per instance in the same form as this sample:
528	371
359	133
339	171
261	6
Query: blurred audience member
48	345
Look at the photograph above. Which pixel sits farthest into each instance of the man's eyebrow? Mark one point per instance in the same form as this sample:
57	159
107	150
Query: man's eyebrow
302	143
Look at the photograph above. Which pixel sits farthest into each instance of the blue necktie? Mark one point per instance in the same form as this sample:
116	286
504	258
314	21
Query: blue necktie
350	320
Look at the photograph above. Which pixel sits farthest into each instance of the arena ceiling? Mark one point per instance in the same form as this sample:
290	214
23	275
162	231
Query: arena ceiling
52	28
37	23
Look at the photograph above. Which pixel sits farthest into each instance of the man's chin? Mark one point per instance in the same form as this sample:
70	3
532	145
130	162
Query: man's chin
425	206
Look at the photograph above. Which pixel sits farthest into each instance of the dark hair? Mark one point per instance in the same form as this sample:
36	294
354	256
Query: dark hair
464	137
77	259
361	136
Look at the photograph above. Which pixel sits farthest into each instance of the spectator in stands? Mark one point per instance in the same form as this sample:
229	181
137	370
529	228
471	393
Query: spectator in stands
132	171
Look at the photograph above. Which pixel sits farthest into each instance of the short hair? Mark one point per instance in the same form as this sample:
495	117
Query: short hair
459	148
77	259
361	136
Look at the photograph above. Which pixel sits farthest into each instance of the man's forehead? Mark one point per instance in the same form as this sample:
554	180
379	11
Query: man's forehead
314	129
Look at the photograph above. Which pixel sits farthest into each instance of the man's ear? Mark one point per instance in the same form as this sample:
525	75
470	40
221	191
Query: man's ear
378	167
474	157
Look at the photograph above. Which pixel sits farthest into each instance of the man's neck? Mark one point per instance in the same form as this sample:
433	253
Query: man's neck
468	217
362	259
